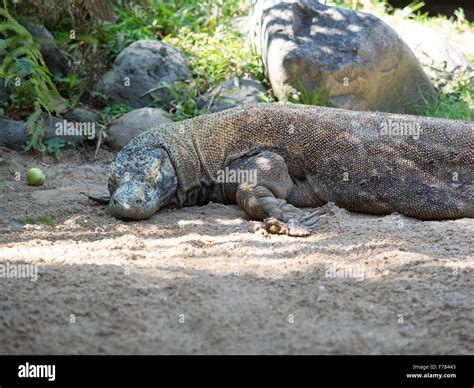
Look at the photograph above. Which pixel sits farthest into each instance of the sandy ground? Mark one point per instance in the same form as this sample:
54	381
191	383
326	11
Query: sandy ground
199	280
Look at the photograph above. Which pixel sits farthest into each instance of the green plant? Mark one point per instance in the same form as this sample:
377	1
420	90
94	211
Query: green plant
54	146
18	224
202	30
317	97
23	67
111	112
184	102
215	57
71	86
455	100
413	11
39	220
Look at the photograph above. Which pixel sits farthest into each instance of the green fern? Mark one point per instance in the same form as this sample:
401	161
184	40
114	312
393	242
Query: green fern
24	68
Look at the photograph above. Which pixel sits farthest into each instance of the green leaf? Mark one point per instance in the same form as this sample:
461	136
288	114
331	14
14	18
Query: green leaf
54	146
24	59
302	90
25	66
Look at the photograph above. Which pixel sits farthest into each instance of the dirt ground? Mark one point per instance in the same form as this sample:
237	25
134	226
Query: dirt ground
200	280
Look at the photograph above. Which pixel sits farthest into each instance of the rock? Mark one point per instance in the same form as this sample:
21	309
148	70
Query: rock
354	56
56	61
143	67
236	91
133	123
81	115
14	134
4	93
440	59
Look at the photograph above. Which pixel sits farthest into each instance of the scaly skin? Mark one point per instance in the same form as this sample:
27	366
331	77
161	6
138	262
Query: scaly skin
303	156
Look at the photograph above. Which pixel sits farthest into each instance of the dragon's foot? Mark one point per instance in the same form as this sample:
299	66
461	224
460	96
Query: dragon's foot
275	226
300	224
282	217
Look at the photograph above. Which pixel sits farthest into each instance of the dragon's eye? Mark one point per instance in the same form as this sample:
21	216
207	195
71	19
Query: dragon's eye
112	179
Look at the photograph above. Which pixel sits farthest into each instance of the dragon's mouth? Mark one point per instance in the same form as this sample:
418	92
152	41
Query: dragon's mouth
133	203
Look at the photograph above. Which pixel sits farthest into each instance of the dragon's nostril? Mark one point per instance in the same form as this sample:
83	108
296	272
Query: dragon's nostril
139	202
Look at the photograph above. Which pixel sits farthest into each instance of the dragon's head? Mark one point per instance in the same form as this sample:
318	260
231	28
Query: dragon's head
141	181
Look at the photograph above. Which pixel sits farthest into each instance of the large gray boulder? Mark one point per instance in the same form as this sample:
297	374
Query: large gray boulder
142	68
354	56
131	124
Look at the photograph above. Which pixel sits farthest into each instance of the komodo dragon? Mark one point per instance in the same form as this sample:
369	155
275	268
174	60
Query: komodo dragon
301	156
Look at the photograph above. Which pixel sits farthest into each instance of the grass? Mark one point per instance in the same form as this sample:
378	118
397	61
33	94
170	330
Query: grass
454	101
316	97
202	30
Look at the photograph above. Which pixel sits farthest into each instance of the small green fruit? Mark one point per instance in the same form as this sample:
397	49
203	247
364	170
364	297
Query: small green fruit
35	177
